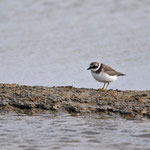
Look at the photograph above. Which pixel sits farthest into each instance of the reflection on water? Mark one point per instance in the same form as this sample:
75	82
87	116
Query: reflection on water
72	132
52	42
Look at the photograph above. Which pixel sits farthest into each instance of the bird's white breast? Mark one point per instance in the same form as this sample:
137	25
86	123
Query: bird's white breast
103	77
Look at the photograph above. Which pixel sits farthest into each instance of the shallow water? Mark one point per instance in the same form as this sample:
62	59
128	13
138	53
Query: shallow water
52	42
64	132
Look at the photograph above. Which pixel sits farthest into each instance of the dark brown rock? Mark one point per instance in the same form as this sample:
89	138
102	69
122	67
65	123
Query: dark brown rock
37	99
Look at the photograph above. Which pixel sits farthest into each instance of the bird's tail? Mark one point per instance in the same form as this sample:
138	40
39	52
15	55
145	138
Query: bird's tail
121	74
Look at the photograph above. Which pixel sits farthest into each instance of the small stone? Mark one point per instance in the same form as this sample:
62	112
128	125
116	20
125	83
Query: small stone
144	112
140	100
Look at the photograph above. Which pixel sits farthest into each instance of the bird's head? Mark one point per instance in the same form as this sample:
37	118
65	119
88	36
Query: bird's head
94	66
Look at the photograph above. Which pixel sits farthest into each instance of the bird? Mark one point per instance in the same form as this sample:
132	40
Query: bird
103	73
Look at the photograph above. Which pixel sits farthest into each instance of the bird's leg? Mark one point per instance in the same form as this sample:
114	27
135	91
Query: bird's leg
107	85
103	86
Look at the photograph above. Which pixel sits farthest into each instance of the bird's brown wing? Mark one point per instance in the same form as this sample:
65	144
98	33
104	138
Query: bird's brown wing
109	70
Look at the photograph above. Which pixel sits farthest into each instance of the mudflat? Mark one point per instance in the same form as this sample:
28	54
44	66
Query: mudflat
78	101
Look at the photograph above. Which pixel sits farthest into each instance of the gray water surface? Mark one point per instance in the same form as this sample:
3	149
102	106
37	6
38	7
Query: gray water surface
52	42
64	132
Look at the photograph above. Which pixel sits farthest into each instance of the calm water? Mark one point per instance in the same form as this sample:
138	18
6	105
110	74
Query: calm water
52	42
45	132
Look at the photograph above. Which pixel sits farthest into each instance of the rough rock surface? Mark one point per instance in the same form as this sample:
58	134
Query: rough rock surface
38	99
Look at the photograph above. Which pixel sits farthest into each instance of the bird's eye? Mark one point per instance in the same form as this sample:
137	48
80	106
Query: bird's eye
95	66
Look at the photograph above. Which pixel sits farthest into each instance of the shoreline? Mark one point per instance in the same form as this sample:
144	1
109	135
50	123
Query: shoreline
78	101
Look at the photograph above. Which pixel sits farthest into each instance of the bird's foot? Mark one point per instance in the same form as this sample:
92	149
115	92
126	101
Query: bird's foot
102	89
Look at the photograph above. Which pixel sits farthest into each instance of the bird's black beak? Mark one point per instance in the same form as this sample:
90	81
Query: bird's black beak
89	68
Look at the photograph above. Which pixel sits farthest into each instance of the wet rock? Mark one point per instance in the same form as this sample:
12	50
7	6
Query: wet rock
38	99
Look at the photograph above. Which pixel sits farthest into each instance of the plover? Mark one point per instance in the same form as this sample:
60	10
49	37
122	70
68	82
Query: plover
103	73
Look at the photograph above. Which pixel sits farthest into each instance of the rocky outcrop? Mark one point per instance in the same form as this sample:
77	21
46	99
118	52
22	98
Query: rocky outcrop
38	99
